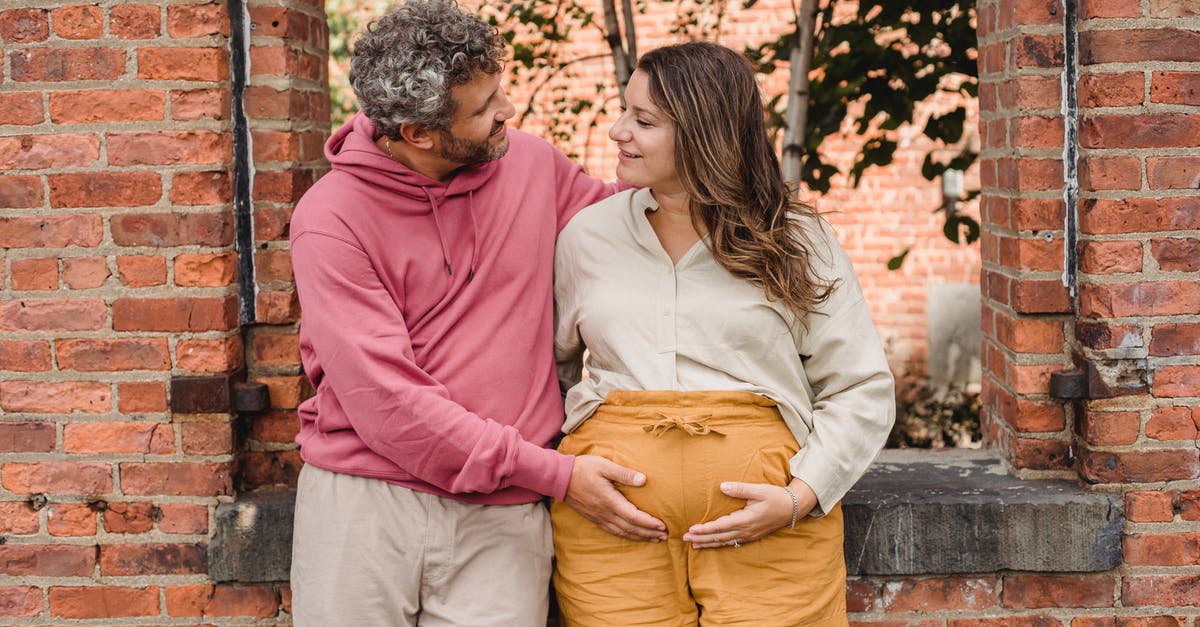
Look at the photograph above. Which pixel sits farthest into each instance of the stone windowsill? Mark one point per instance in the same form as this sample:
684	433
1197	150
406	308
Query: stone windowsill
913	513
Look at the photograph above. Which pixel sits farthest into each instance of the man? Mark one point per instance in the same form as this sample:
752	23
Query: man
423	262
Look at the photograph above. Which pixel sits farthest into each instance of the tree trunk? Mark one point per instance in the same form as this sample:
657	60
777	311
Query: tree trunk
621	61
796	116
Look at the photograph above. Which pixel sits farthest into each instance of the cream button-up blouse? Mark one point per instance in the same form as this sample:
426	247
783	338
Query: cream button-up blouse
648	324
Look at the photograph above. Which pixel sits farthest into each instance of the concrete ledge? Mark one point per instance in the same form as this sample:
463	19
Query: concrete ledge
915	512
958	511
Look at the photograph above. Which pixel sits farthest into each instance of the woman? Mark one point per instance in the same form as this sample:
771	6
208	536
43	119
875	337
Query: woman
731	358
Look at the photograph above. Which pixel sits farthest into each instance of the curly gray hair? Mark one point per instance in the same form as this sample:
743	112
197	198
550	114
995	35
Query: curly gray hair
407	60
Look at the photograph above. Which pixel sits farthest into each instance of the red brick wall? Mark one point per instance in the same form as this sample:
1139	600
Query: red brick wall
119	273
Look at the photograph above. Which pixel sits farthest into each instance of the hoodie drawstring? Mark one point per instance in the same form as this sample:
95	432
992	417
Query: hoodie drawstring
437	220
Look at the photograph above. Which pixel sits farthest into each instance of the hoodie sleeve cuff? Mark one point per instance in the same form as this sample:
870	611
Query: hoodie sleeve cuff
543	470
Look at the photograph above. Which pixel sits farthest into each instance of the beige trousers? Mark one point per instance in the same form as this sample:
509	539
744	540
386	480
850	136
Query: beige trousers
367	553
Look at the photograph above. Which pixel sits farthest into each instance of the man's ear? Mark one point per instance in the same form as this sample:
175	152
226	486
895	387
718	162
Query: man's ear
416	136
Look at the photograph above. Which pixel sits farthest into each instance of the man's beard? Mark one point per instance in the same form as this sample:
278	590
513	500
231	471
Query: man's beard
467	152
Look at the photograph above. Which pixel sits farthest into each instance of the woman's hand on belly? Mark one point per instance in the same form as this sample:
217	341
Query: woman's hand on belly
768	509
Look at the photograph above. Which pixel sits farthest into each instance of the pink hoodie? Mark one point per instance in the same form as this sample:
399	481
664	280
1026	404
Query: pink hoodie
427	313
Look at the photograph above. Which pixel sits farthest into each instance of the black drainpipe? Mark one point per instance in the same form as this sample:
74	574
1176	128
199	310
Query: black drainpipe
1070	111
243	168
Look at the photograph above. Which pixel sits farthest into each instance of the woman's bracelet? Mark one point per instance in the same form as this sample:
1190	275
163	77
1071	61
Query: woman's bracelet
795	506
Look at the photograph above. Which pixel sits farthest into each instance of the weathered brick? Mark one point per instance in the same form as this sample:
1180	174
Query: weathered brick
169	148
20	601
183	519
107	355
207	438
1139	466
1173	8
1172	423
1005	621
1176	254
21	192
39	152
1152	506
176	479
57	477
129	517
202	188
18	518
81	273
1038	214
105	189
35	274
1189	501
1128	621
1169	340
942	593
1161	590
24	355
34	560
1161	549
1040	591
152	559
276	426
1133	45
118	437
1029	131
1036	51
1108	9
1030	335
197	20
275	349
27	437
142	270
287	392
200	104
80	314
1145	130
67	64
1176	381
1164	298
78	22
210	355
1042	454
222	600
271	468
205	270
103	601
183	64
271	224
55	398
21	108
1103	173
135	21
172	229
1175	88
1110	257
174	314
1178	172
141	397
24	26
281	186
277	307
1122	89
126	105
1110	428
273	265
71	519
275	146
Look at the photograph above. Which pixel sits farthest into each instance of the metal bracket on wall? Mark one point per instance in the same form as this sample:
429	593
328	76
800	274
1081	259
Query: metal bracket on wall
1124	377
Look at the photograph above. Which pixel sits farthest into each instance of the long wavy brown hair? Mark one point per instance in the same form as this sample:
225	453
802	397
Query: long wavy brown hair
727	164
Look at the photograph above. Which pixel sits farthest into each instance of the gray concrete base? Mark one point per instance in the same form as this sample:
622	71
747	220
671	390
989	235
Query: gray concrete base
915	512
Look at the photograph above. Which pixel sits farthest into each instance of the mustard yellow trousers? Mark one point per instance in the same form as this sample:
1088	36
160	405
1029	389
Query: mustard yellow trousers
687	443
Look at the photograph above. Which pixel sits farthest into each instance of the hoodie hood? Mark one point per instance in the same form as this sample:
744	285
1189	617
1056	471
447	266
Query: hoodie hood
352	150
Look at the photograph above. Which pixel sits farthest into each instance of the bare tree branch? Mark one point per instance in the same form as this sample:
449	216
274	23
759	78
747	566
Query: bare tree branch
796	116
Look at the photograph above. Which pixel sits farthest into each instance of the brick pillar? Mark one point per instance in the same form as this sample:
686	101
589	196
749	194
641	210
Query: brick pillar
118	275
1139	97
287	107
1026	309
